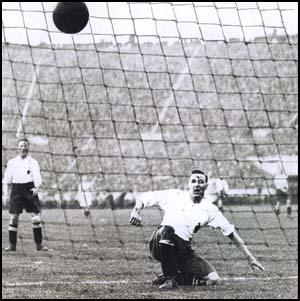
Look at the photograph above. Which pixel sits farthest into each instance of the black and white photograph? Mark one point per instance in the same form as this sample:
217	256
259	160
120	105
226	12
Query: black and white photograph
150	150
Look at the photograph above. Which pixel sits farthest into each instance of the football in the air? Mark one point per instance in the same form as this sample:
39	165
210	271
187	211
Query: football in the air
71	17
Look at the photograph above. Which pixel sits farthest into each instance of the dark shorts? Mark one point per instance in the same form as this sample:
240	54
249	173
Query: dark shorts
22	197
187	261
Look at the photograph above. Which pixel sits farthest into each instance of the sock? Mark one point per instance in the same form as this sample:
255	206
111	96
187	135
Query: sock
12	233
37	233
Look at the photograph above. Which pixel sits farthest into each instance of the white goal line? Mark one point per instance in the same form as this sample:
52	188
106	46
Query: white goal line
95	282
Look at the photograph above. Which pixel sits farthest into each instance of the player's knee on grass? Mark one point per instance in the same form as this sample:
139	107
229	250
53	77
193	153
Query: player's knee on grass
212	278
167	235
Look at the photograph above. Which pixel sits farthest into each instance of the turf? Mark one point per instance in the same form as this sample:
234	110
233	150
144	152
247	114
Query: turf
104	257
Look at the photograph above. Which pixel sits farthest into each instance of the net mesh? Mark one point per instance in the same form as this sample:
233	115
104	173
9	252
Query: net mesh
144	94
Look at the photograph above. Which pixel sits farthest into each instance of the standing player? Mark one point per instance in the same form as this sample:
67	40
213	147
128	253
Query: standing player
282	196
219	189
185	212
23	174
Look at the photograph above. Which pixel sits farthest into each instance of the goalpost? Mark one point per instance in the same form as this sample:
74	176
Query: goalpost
144	94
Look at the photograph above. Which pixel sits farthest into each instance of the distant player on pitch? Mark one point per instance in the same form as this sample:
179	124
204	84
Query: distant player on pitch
185	212
23	174
282	194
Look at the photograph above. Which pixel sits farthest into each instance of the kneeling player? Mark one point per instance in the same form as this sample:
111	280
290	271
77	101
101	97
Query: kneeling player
184	213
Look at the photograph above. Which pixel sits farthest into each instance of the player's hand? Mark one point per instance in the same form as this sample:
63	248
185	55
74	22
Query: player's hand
87	212
255	265
34	191
135	218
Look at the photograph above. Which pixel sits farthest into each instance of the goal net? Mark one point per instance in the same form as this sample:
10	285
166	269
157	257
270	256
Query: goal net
145	93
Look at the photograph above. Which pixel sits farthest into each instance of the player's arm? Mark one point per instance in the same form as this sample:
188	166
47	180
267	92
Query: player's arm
218	220
37	177
135	217
236	239
6	182
5	193
148	199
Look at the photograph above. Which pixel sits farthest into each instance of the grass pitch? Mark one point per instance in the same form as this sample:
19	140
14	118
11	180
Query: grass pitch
104	257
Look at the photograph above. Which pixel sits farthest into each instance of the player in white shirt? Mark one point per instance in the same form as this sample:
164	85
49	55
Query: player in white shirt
282	194
218	189
185	212
23	174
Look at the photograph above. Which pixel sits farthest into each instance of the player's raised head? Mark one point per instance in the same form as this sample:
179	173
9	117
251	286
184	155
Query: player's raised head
23	147
197	185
